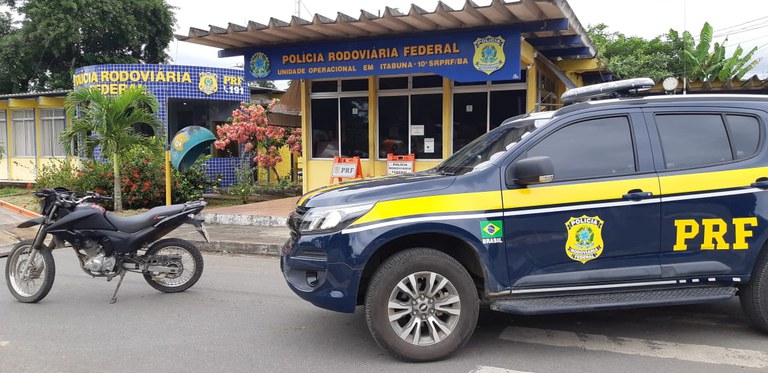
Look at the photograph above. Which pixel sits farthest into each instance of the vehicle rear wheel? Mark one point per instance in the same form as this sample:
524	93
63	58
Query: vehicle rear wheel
421	305
189	265
754	295
32	285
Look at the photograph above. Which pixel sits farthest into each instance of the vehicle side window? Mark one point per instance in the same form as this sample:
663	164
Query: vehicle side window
744	133
691	140
595	147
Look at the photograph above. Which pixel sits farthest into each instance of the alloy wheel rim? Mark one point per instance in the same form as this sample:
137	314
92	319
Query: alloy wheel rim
30	283
424	308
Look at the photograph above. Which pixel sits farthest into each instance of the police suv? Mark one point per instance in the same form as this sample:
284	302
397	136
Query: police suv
623	202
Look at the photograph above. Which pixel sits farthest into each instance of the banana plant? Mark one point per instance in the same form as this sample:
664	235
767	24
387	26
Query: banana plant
708	65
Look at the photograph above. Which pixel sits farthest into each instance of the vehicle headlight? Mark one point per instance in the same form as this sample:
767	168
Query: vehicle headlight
332	218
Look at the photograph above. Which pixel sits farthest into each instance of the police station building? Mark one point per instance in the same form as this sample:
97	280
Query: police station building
412	82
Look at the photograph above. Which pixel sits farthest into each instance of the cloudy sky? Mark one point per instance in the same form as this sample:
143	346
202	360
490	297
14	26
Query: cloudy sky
741	21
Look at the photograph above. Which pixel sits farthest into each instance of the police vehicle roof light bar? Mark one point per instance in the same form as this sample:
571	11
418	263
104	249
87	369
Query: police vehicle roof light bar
620	88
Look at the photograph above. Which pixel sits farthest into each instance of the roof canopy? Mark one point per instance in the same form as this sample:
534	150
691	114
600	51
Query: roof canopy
550	26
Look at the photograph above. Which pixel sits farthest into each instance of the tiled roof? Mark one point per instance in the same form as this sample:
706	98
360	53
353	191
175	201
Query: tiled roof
549	25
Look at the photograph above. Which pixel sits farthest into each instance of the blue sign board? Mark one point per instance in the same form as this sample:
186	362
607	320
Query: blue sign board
465	56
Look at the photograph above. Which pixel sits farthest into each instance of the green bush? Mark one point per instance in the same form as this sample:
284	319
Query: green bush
142	177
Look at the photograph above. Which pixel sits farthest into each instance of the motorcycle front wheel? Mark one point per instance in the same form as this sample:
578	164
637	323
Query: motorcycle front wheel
29	281
189	266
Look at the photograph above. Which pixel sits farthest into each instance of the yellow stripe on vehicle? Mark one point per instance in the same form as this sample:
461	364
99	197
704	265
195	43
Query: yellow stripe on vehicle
447	203
707	181
539	196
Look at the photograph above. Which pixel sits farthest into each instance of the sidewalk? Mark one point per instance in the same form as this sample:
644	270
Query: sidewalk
255	228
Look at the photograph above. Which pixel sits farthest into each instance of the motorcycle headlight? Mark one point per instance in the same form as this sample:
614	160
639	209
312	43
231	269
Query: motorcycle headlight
332	218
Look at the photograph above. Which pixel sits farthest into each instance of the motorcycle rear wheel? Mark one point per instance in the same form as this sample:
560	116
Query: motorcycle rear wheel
190	265
35	285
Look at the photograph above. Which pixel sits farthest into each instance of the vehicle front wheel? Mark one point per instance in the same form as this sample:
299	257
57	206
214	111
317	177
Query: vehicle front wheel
421	305
29	278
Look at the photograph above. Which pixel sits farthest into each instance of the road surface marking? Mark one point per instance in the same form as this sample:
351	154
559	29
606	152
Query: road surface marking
485	369
642	347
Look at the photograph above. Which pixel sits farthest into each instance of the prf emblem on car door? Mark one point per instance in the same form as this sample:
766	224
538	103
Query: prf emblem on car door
585	238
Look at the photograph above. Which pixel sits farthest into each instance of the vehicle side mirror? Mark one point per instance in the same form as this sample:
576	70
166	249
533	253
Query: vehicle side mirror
531	171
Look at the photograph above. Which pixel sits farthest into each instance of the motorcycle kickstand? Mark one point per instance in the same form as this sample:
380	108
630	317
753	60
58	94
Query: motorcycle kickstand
120	281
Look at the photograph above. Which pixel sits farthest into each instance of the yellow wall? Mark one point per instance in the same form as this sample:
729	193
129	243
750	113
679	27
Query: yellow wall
25	169
4	168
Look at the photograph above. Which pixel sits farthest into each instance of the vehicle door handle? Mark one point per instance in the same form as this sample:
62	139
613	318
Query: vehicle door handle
761	183
637	195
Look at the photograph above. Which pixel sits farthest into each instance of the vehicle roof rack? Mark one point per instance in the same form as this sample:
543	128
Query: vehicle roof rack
619	88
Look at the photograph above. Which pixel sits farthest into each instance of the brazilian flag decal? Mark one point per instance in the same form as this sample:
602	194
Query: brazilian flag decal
492	231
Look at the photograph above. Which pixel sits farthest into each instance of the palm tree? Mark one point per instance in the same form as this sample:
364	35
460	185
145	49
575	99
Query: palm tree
110	122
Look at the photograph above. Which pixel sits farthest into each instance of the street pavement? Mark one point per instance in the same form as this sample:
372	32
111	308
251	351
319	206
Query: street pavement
241	316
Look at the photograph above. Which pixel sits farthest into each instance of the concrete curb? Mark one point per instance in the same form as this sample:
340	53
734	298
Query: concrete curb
230	247
19	210
235	219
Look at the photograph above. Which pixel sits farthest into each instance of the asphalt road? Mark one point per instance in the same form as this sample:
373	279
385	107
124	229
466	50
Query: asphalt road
242	317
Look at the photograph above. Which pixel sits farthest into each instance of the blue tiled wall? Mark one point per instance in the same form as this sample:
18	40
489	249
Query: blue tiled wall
148	76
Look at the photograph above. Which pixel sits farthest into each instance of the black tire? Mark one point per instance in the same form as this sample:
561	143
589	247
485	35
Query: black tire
754	295
191	265
34	289
417	266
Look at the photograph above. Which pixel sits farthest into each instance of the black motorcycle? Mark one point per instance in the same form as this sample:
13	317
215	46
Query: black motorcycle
107	245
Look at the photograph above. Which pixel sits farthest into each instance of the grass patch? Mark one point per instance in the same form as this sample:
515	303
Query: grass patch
23	199
10	191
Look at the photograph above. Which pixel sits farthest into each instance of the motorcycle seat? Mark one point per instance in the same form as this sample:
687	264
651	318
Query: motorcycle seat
135	223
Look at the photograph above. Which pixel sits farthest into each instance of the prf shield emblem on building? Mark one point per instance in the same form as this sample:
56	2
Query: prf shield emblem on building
489	54
585	238
209	83
492	231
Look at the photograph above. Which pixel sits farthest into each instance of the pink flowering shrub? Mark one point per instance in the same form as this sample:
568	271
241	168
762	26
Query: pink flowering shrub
250	126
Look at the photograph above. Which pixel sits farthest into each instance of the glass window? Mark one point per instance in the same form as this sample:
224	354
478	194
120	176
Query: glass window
744	133
52	123
427	81
354	85
470	117
400	82
354	126
689	140
23	129
505	105
427	126
576	153
393	125
325	127
3	135
324	86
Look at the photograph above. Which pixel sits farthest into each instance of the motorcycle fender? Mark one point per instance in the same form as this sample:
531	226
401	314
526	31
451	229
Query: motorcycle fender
31	223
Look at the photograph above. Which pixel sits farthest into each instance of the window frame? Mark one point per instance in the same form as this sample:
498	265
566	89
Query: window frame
723	119
557	128
24	121
408	92
52	123
336	95
4	132
484	87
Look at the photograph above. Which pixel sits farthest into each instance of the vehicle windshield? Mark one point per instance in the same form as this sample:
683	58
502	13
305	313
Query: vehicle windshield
479	153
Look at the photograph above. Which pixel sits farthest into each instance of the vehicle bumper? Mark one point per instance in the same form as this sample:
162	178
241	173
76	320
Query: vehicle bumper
332	286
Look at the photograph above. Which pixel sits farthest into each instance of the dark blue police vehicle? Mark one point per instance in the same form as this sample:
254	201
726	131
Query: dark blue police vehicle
624	202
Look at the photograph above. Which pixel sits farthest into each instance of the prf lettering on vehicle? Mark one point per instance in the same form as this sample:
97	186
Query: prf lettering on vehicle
713	232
